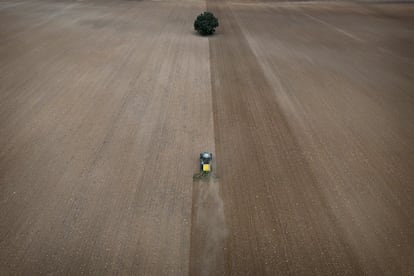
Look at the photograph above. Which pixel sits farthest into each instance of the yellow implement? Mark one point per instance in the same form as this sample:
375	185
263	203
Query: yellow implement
206	167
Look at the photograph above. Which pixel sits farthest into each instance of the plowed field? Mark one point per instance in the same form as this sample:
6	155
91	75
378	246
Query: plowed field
308	108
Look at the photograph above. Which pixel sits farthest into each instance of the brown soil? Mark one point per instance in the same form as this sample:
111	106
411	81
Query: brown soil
308	109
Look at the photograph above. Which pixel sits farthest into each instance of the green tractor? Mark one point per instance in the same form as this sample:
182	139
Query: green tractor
205	162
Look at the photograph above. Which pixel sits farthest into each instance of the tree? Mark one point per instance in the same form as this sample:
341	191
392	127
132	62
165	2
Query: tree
206	23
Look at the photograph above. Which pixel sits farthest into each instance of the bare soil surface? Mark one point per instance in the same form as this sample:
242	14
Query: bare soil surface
308	108
313	109
104	109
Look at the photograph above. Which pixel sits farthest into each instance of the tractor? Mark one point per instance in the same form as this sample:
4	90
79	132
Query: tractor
206	159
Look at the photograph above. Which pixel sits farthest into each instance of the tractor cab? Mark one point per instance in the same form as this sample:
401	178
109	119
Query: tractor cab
205	161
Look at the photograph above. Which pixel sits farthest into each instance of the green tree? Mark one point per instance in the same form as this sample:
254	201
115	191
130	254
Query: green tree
206	23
